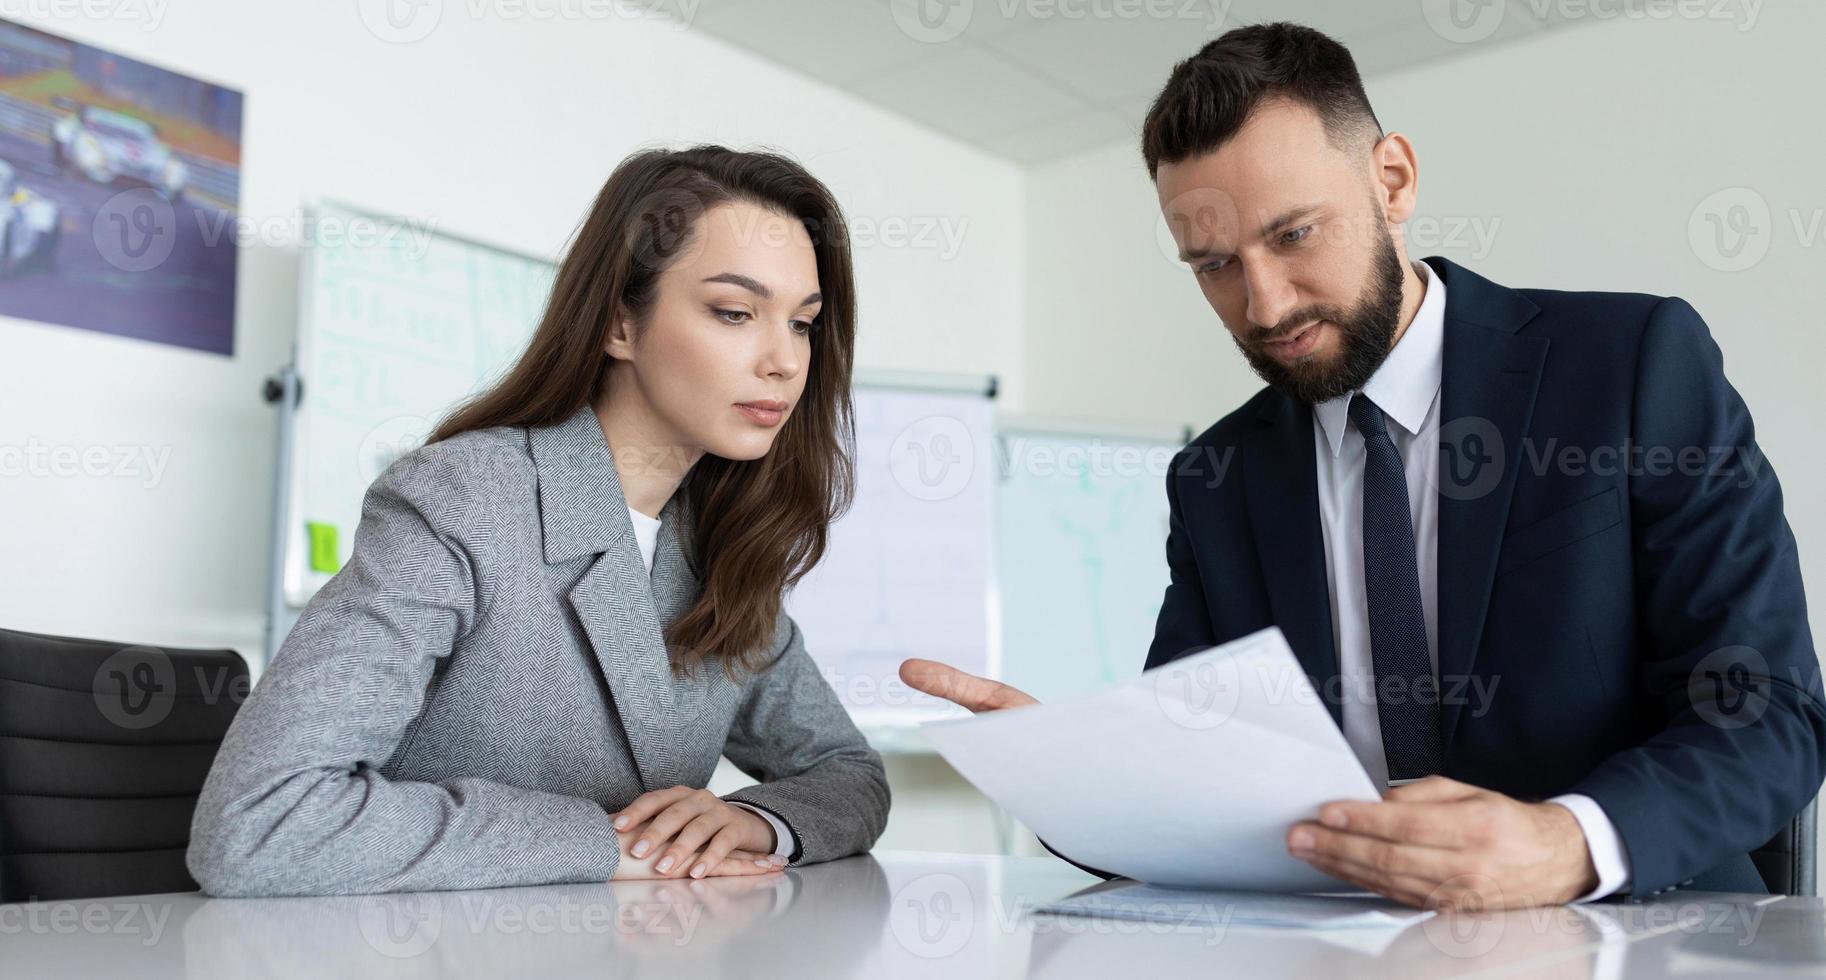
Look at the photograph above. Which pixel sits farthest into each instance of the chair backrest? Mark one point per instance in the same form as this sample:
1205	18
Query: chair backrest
1788	862
103	750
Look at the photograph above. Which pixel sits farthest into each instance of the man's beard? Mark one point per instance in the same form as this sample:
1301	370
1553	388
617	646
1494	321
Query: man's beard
1366	334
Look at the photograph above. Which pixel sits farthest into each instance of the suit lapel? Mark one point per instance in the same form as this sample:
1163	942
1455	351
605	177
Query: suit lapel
1487	392
583	512
1281	486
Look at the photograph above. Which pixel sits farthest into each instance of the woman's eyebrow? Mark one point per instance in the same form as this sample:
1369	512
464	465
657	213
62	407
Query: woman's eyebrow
756	287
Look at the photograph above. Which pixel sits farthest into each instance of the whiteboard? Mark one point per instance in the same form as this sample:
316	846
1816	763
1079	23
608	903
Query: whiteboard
394	329
1081	530
909	571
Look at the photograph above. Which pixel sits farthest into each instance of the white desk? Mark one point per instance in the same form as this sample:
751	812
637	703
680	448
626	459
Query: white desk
892	914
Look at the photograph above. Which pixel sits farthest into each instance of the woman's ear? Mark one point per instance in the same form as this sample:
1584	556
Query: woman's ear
621	338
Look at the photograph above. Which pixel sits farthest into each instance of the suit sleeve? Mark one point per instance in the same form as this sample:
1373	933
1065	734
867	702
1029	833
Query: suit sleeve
295	803
817	773
1725	650
1184	622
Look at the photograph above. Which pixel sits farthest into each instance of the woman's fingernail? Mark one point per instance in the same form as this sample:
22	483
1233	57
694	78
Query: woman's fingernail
763	863
1301	840
621	823
697	872
665	865
641	849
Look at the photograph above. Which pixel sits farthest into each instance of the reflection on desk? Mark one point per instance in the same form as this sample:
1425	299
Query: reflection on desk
891	914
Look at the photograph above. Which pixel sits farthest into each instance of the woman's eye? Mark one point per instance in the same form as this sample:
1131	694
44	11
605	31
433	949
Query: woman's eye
732	316
1297	235
803	326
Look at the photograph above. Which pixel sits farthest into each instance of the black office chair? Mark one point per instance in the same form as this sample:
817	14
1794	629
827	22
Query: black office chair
103	750
1788	862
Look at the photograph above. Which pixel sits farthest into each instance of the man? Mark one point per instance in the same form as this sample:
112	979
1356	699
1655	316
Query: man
1572	638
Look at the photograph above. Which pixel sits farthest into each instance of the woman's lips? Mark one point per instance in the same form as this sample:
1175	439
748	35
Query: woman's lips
763	413
1299	345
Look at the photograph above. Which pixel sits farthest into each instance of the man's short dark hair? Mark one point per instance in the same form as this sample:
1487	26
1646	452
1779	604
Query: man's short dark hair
1211	95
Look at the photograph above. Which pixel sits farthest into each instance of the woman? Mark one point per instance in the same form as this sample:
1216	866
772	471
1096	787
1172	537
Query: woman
567	605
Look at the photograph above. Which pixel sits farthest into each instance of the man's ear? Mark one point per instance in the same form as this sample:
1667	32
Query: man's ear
1397	169
621	337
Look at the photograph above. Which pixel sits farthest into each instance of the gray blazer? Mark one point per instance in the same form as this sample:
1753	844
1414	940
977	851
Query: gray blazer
459	705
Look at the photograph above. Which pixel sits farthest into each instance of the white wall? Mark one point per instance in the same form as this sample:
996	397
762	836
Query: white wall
513	154
1572	160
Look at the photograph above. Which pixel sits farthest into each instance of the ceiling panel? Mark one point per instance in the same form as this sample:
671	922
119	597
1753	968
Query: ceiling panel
971	93
1032	80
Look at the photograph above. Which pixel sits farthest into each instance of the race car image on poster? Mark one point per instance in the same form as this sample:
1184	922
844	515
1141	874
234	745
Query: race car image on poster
104	146
30	225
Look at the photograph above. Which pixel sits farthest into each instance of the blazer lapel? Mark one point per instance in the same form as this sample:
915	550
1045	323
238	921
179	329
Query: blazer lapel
584	512
1282	489
1487	392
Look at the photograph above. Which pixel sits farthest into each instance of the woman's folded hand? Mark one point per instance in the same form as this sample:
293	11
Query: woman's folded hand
671	833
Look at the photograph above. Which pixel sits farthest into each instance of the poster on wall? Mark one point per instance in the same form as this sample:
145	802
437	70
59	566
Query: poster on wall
119	189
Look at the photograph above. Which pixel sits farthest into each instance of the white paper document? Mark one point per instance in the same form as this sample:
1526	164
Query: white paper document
1186	776
1218	909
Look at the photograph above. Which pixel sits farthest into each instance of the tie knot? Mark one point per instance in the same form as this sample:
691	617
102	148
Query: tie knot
1368	419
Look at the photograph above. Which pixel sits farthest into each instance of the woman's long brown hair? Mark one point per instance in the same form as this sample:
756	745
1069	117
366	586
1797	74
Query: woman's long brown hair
759	525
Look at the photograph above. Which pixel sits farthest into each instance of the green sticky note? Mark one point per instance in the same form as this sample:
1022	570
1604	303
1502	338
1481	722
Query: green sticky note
324	556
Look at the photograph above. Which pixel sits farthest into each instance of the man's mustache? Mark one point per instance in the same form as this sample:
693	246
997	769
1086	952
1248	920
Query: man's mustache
1291	324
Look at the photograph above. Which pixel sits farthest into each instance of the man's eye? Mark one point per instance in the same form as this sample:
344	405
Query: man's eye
1209	267
1297	235
732	316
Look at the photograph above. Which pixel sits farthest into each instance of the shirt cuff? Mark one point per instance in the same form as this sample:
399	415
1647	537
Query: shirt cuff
784	843
1607	854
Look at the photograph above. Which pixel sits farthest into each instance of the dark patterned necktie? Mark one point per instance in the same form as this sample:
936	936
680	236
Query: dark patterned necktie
1398	632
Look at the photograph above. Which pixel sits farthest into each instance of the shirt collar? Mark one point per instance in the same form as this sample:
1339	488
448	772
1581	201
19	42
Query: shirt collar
1405	385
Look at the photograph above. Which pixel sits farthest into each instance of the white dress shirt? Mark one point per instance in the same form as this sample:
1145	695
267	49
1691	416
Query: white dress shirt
1406	388
646	535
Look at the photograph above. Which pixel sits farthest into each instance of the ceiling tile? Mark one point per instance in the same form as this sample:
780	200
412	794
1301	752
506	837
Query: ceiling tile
1036	144
940	21
836	41
1036	79
1342	20
1419	41
1110	59
970	93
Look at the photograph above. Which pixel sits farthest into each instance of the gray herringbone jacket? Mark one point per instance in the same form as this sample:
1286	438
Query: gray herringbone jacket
458	705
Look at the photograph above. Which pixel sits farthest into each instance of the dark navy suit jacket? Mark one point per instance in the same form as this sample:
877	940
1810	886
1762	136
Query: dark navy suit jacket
1638	622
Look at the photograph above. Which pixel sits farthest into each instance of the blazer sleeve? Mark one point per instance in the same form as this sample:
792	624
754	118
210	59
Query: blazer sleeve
295	803
817	773
1726	654
1184	622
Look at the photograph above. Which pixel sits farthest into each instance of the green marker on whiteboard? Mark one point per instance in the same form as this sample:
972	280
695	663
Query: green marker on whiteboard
324	556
